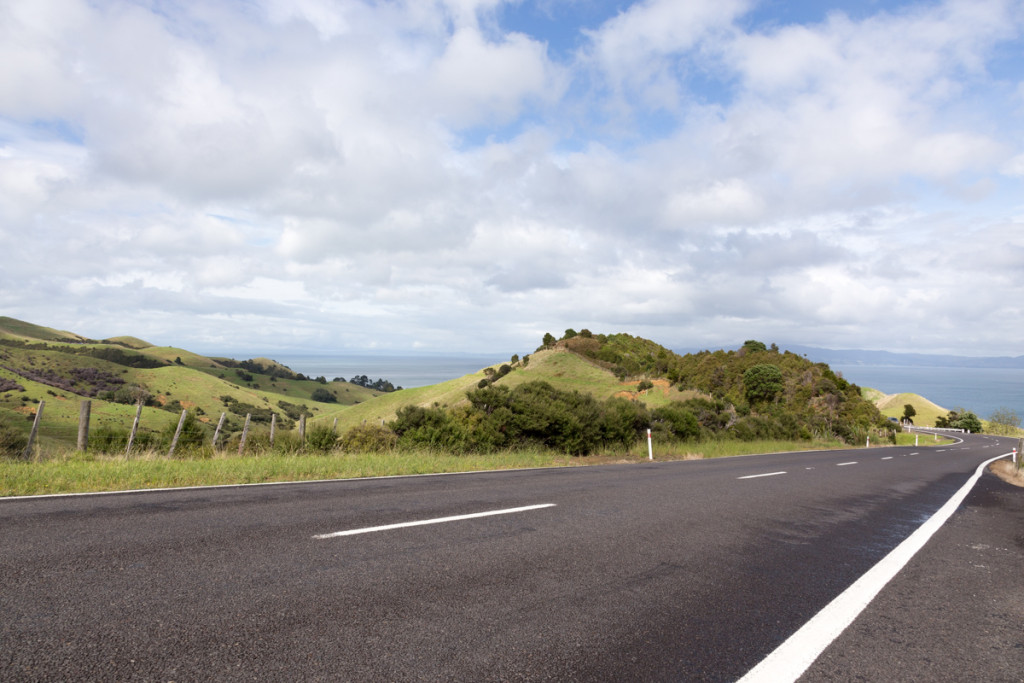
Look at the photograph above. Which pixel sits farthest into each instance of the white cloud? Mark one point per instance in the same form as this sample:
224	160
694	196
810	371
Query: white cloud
413	174
476	81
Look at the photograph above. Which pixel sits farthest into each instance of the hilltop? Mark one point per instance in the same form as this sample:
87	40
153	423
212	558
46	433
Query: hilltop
892	405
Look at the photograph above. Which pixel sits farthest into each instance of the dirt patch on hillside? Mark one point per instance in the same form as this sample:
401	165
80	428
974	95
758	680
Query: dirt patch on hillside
662	385
1005	470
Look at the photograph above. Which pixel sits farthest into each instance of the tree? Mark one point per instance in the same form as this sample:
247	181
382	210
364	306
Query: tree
1003	420
322	395
908	413
960	419
752	345
970	422
762	383
549	339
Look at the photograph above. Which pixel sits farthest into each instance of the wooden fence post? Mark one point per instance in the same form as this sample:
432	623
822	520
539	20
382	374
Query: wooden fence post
273	428
177	432
83	425
35	429
245	433
302	430
216	432
135	428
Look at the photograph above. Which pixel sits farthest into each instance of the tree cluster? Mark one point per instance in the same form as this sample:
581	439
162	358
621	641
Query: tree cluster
960	419
535	414
254	366
377	385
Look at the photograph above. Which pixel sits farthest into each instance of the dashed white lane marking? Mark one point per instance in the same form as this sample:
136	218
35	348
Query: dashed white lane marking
844	464
757	476
791	659
888	457
439	520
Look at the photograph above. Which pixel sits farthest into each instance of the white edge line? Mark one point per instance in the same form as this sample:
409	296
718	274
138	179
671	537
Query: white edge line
439	520
756	476
791	659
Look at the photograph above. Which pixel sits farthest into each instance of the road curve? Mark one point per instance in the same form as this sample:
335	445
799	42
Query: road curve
658	571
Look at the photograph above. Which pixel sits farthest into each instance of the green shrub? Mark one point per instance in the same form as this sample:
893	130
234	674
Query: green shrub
678	420
762	383
191	437
432	427
623	421
12	442
287	442
321	438
369	439
109	439
322	395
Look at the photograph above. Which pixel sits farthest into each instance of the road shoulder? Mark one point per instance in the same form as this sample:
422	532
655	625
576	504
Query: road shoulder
955	612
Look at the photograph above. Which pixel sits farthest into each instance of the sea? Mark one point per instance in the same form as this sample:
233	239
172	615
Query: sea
980	390
402	371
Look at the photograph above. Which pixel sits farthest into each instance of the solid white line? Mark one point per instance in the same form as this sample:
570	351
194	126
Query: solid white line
791	659
757	476
439	520
844	464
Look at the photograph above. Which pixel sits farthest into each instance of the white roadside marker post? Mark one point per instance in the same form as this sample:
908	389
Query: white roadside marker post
650	447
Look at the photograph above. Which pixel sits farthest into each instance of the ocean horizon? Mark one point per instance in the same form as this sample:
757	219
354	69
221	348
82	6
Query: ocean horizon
406	371
980	390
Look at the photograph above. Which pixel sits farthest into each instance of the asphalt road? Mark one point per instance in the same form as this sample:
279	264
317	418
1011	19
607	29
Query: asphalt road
673	571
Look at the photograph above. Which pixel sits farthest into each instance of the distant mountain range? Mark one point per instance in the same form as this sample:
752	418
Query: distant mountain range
861	357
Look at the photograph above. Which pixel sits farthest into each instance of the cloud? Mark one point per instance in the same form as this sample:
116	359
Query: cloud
415	174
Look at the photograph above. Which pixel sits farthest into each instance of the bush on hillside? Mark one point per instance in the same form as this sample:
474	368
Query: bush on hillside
321	438
369	439
676	419
432	427
191	437
12	442
109	439
321	395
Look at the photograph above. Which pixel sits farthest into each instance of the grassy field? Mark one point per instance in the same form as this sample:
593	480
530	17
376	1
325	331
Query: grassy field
892	405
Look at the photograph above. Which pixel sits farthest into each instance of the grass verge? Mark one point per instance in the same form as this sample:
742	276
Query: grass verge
73	472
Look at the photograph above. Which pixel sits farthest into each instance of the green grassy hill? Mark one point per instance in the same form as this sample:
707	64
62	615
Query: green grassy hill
129	342
891	405
62	369
41	364
20	330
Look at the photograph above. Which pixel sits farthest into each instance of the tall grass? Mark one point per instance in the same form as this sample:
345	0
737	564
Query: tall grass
68	471
64	470
76	473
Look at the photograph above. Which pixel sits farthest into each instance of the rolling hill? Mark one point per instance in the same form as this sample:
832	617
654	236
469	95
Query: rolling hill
42	364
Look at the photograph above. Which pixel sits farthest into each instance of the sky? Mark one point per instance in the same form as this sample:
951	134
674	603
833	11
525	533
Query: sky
325	176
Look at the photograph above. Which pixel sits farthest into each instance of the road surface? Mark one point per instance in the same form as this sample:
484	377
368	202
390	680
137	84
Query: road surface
673	571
